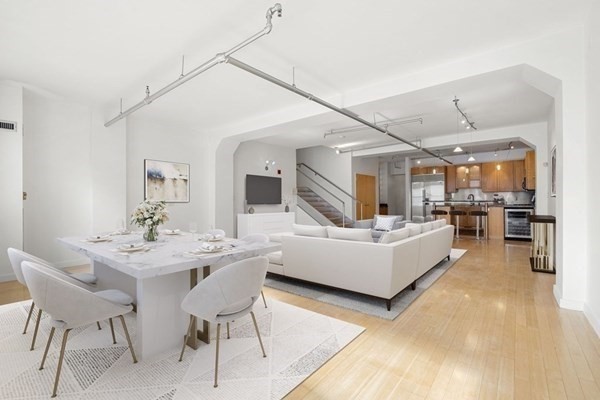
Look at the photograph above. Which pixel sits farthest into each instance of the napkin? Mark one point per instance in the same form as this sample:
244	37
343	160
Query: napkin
172	231
209	247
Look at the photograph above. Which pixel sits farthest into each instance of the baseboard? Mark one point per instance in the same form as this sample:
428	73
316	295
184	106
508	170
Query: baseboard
7	277
576	305
592	318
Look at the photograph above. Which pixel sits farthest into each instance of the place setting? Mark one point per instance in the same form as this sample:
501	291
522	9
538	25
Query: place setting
208	248
97	239
128	248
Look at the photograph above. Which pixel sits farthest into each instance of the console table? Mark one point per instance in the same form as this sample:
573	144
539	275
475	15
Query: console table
264	223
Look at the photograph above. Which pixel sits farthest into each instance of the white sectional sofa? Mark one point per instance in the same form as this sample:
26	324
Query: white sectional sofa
358	264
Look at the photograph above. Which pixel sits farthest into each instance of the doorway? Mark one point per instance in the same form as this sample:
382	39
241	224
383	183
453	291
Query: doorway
366	194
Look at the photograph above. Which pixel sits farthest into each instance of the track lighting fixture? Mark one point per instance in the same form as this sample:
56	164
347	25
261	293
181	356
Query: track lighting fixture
465	119
337	151
269	163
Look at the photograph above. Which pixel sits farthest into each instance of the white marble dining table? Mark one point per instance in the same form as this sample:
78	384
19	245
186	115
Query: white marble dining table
158	277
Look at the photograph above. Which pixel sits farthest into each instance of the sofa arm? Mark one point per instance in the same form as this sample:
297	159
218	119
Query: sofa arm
363	224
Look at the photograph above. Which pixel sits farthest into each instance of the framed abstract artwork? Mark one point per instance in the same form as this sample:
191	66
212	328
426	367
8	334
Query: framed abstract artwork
166	181
553	172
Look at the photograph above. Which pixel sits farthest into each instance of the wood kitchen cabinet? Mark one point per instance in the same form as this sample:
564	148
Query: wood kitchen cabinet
427	170
519	174
450	181
496	222
468	176
530	170
498	176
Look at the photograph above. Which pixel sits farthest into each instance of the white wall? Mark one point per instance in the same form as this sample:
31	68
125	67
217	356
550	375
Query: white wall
250	158
56	175
11	165
150	140
592	236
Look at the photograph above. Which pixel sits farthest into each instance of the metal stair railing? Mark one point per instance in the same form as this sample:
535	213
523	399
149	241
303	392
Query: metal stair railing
331	194
354	199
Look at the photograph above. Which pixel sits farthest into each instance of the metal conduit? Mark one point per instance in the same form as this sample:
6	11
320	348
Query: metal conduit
309	96
217	59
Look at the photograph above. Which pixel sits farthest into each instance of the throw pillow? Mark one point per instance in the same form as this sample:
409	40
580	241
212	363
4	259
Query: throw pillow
394	236
359	235
426	227
415	229
310	230
384	223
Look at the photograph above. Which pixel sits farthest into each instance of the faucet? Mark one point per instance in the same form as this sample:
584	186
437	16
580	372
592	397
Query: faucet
471	197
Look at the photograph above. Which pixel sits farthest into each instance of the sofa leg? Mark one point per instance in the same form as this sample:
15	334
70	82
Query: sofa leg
413	285
388	304
448	257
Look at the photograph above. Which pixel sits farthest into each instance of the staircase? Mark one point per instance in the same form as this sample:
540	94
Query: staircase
323	207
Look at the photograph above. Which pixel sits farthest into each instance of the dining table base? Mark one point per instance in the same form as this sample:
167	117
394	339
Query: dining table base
204	334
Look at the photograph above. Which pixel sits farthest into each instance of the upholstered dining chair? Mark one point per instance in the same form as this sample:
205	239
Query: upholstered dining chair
257	238
16	257
71	306
224	296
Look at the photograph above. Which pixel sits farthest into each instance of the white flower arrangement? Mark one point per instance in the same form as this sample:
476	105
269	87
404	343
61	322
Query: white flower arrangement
150	213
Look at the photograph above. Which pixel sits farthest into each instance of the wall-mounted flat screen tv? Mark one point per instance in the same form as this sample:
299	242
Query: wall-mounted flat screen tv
263	189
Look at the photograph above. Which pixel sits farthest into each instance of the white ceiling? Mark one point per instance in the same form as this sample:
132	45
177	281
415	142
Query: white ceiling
97	51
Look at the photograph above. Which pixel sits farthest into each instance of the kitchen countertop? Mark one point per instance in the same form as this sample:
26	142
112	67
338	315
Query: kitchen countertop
490	203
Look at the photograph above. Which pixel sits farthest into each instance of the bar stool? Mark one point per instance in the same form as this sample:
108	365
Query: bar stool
480	214
457	214
435	213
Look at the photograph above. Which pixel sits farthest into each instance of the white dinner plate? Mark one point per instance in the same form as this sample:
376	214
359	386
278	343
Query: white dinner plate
131	249
95	239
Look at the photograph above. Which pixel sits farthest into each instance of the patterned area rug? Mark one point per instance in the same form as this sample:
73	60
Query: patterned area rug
297	342
360	302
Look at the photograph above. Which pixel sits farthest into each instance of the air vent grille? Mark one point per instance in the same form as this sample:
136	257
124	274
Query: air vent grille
8	125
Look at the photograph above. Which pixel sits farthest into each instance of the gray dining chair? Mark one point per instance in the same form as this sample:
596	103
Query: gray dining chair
257	238
17	257
71	306
224	296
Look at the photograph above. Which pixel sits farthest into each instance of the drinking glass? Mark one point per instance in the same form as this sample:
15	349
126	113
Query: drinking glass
193	228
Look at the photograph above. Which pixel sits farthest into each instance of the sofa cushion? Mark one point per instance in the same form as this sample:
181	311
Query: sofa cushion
439	223
310	230
415	229
276	257
397	221
383	223
394	236
426	227
359	235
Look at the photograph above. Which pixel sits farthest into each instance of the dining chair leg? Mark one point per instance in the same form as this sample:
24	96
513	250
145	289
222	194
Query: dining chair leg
60	361
263	297
228	337
258	333
112	330
99	327
217	355
29	317
128	339
37	325
187	335
47	347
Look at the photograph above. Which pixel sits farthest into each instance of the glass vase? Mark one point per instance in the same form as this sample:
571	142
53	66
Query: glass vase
151	233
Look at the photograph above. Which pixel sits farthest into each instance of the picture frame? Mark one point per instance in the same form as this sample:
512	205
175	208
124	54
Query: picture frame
553	172
166	181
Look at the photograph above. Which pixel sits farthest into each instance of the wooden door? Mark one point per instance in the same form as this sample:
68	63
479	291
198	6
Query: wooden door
365	192
530	169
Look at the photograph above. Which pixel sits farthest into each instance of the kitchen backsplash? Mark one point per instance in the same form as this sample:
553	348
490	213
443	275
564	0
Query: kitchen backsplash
509	197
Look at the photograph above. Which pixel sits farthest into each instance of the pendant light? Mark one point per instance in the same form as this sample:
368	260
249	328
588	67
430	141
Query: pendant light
457	149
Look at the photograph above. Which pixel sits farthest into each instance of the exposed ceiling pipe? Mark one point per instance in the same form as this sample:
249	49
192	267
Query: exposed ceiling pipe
217	59
332	107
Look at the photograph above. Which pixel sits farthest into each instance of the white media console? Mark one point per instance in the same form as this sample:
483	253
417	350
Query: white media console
264	223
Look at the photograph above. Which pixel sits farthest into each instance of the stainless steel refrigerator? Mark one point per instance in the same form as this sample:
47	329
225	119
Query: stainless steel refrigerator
426	187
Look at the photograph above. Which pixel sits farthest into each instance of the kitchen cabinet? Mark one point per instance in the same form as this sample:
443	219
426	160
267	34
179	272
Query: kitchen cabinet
427	170
468	176
519	175
496	222
498	177
530	170
450	180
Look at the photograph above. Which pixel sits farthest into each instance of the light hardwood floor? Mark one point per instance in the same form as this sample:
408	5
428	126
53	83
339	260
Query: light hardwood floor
488	329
